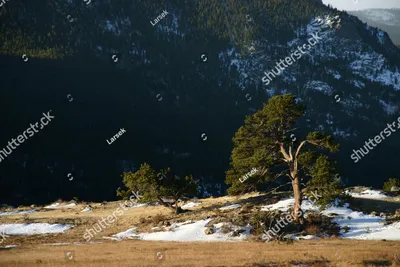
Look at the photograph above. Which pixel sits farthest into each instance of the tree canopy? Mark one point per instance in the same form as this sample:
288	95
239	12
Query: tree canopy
263	143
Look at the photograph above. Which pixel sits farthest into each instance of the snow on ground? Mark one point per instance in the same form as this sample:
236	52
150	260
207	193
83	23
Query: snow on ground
190	205
389	232
8	246
58	206
128	234
52	206
360	225
368	194
16	212
230	207
186	232
33	228
86	209
284	205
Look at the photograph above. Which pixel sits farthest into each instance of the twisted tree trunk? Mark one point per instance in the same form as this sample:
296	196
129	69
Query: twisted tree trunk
298	199
291	160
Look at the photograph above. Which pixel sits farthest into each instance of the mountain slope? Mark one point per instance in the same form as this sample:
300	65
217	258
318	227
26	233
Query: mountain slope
179	110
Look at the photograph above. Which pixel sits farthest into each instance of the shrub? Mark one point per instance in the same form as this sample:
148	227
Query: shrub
312	229
158	218
153	186
322	223
263	220
391	182
323	184
225	228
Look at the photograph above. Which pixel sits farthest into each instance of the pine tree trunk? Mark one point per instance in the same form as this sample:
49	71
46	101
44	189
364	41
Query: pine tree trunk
298	215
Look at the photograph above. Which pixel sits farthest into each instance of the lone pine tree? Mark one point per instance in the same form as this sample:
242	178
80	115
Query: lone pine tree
262	143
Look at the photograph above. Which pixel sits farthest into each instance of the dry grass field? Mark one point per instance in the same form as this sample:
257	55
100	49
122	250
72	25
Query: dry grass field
43	250
149	253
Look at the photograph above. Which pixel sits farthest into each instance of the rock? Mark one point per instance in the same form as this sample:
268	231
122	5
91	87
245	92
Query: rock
237	232
209	231
382	215
394	189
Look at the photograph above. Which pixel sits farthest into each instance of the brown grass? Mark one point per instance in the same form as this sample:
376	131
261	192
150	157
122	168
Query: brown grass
146	253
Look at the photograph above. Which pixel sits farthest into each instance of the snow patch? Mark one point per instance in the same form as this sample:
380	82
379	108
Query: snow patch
230	207
33	228
368	194
358	224
16	212
190	205
185	232
58	206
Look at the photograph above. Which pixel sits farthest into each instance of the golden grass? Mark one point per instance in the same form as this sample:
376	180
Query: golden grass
146	253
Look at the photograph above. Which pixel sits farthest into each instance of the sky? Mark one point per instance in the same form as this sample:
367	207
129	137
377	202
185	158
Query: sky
362	4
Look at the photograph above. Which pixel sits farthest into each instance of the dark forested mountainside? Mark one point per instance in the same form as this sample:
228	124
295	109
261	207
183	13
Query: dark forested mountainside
177	109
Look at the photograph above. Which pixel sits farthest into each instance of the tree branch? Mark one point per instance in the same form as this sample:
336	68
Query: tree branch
298	149
165	204
284	153
290	152
276	188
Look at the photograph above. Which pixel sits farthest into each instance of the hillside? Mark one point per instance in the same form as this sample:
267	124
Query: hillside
180	89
